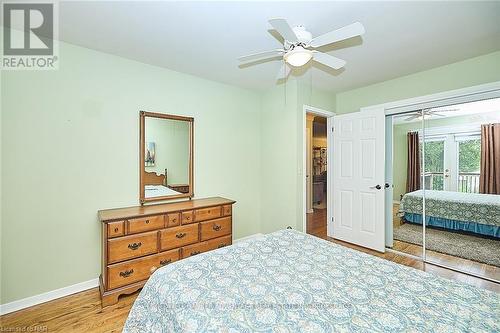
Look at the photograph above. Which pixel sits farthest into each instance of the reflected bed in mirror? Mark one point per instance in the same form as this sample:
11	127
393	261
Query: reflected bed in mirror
166	157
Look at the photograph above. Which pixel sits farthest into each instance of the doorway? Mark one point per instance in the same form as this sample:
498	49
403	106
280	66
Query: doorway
317	184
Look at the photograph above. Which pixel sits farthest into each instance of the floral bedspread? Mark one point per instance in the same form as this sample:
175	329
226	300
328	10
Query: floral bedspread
288	281
467	207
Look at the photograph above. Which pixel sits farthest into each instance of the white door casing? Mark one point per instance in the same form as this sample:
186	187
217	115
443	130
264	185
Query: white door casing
358	167
308	170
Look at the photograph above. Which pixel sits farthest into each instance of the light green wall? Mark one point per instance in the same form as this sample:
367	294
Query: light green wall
171	138
70	145
282	151
470	72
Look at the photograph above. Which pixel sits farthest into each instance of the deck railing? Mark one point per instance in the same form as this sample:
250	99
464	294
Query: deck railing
468	182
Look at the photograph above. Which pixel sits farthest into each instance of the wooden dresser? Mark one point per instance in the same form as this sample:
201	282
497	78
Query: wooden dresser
138	240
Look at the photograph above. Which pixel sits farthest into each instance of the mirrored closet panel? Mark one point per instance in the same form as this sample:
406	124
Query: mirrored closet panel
462	187
446	172
407	203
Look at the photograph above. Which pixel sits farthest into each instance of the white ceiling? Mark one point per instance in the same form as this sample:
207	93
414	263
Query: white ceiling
205	38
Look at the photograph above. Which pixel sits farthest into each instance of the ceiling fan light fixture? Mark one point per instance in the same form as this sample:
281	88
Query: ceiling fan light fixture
298	56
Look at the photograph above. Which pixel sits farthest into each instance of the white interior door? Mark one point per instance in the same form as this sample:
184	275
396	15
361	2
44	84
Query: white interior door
358	179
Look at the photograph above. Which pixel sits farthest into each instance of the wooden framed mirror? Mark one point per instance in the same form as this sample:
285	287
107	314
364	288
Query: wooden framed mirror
165	157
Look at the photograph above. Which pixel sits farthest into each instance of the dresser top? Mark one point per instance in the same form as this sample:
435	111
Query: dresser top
139	211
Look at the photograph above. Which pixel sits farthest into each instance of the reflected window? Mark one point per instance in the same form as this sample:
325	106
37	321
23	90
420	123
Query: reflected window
469	161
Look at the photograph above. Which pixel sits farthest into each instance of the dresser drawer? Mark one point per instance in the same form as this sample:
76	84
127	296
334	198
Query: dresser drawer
217	243
172	220
187	217
191	250
227	210
134	246
138	269
178	236
215	228
116	229
145	224
207	213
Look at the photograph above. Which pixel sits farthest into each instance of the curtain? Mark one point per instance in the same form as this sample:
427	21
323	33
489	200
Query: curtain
413	177
489	178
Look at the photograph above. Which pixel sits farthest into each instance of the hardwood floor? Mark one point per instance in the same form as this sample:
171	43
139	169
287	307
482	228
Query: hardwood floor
316	225
82	312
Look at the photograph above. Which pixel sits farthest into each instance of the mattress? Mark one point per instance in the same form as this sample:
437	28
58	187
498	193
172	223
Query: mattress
457	206
288	281
151	191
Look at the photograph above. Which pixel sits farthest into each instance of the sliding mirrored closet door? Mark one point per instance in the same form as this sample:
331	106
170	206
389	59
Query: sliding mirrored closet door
461	146
406	179
446	186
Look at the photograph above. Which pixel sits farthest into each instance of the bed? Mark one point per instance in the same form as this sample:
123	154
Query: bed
288	281
154	185
151	191
466	212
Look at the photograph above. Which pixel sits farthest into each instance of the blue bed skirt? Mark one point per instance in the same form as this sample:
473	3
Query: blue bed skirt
482	229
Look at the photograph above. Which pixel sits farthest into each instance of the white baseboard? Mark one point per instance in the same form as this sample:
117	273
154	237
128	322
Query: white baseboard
48	296
248	237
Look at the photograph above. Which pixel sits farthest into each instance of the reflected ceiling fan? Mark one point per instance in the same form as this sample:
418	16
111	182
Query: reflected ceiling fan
430	113
299	46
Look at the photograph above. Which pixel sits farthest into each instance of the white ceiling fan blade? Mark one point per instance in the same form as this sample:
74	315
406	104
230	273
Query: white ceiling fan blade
349	31
283	72
415	116
436	114
261	55
329	60
282	26
443	110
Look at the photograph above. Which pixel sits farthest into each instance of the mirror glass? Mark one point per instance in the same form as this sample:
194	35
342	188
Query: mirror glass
166	144
462	187
405	197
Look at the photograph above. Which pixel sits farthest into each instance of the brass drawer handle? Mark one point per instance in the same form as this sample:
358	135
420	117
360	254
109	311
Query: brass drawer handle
134	246
127	273
147	221
165	262
180	235
208	211
187	217
116	229
221	245
195	253
174	220
216	227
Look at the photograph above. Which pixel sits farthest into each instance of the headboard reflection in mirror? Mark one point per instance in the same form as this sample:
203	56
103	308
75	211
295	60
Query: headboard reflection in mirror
166	157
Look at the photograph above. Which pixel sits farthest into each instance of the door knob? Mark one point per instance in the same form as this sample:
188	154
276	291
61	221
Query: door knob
387	185
378	187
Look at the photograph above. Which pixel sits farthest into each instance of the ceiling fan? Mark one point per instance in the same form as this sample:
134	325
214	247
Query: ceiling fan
298	47
428	112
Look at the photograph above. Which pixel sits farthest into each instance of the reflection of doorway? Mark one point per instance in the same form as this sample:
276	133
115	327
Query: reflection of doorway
317	154
317	200
452	160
